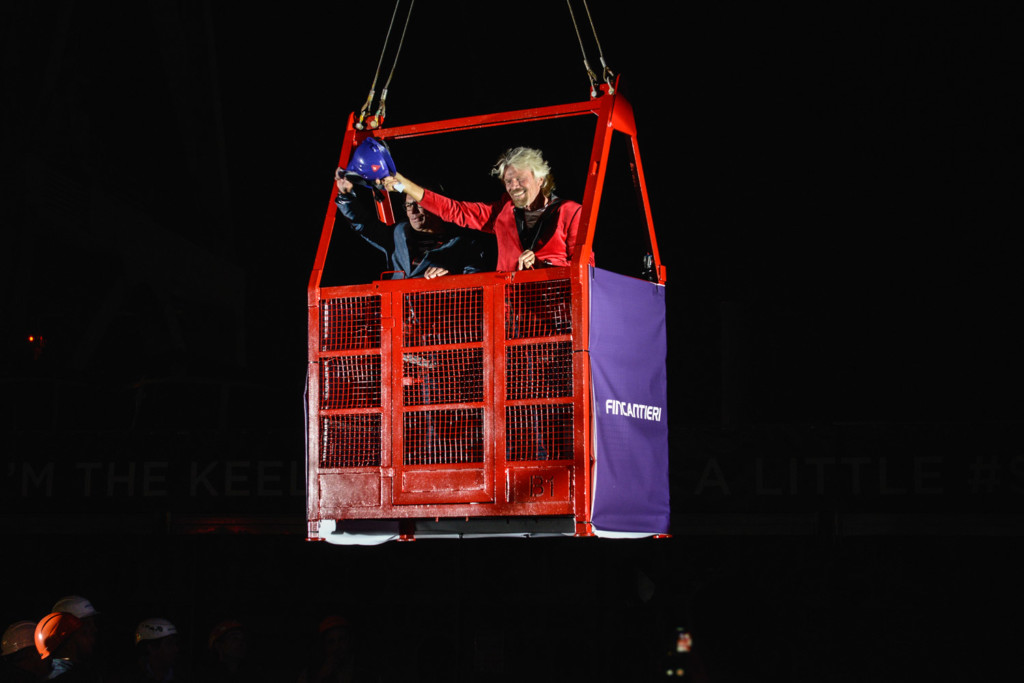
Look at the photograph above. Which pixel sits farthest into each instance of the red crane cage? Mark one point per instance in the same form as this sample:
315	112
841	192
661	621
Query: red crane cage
463	405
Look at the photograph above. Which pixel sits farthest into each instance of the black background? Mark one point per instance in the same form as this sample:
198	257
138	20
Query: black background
835	193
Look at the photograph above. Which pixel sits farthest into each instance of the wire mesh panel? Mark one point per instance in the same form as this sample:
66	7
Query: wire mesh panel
350	382
350	440
539	432
446	376
434	437
538	371
429	378
350	323
442	317
538	309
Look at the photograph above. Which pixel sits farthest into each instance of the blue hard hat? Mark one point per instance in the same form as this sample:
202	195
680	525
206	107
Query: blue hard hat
371	161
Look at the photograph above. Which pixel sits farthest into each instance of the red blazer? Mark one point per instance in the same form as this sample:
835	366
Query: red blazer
555	245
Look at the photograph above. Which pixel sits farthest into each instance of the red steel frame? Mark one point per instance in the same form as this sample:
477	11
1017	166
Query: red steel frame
488	484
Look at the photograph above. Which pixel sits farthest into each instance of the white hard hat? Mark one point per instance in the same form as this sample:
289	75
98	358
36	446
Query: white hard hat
77	605
18	636
154	629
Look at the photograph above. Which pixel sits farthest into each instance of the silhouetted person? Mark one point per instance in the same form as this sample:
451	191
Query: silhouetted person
20	662
88	615
421	246
157	652
228	655
335	660
62	638
81	608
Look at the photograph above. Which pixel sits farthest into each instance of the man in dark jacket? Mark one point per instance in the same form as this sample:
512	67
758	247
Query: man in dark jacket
424	245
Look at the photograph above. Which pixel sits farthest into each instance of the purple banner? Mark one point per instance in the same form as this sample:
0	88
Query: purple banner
628	349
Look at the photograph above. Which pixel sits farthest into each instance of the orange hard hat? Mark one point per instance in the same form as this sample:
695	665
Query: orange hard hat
54	629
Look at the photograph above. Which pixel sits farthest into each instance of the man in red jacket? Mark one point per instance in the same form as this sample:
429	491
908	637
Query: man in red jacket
534	228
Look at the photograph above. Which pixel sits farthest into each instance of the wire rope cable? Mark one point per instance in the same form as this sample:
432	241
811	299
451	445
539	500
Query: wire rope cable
384	93
606	72
373	87
590	72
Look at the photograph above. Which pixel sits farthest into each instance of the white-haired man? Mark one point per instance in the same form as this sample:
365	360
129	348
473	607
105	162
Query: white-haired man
533	227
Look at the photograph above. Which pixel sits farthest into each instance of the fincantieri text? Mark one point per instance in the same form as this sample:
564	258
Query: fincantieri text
637	410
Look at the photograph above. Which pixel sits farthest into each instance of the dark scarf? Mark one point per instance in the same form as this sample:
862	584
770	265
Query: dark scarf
532	223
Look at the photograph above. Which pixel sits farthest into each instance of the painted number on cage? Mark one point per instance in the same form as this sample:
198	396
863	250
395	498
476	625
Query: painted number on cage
540	485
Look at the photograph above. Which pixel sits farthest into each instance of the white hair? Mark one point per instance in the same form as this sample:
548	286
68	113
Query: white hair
526	158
